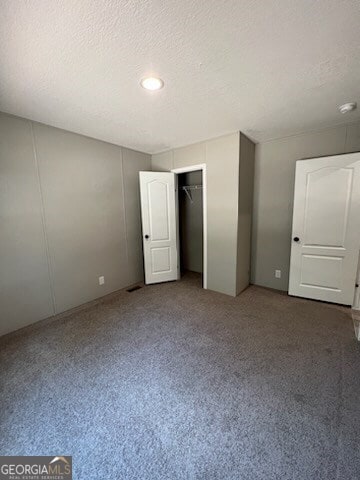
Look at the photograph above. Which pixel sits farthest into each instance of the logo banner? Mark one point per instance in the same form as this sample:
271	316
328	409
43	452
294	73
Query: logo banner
36	468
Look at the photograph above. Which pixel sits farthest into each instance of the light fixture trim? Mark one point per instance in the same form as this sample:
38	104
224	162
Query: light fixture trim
347	107
152	83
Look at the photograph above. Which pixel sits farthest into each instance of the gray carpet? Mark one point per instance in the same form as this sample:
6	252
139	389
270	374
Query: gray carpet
175	382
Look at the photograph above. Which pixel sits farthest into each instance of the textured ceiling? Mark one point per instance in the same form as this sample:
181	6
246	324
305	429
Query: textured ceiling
269	68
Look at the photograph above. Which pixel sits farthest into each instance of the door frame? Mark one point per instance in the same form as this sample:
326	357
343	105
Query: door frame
193	168
356	302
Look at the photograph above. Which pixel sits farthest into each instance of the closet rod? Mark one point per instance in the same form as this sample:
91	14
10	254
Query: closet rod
191	187
186	189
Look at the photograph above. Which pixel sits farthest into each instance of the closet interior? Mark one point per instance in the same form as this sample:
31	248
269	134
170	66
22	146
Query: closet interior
191	221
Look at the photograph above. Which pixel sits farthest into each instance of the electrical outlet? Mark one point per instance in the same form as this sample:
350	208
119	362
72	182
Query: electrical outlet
277	273
101	280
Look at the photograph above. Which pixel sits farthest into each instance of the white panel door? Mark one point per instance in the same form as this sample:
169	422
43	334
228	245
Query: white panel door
326	228
159	226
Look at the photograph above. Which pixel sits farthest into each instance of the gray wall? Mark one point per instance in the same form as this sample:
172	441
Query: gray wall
191	223
134	162
273	195
69	213
25	294
246	191
221	157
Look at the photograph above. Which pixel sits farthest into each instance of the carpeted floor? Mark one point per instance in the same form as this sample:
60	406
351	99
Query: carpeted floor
175	382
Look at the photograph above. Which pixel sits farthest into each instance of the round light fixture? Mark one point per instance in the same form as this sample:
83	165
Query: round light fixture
152	83
347	107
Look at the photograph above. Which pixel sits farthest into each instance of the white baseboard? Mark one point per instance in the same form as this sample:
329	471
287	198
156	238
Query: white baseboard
356	319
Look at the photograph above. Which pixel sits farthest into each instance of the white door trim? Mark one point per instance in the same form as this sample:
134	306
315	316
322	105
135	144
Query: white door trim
356	303
193	168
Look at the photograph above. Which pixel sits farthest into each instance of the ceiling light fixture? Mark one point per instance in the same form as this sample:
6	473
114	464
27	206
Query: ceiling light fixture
152	83
347	107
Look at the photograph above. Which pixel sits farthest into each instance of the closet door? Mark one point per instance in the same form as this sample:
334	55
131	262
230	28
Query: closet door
159	226
326	229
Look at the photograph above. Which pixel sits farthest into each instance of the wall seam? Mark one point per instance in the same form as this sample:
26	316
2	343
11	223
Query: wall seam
252	213
346	136
125	217
305	134
237	218
43	220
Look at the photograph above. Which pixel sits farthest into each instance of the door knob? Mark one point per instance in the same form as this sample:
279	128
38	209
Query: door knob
296	239
147	236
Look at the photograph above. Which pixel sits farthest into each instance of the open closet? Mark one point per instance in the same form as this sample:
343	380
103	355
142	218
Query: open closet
173	207
211	203
190	191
